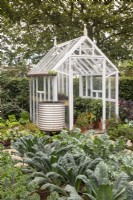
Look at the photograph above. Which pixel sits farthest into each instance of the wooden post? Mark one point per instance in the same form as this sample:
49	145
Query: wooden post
36	110
117	94
104	93
70	96
55	97
31	98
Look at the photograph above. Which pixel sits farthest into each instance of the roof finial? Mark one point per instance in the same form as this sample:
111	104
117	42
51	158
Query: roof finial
55	41
85	30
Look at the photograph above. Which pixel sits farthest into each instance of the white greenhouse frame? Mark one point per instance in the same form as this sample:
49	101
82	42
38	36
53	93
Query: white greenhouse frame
81	58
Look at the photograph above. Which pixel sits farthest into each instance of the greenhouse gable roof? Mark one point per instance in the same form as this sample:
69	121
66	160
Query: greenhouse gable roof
85	56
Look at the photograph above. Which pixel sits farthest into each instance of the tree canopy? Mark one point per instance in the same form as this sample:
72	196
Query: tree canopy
27	27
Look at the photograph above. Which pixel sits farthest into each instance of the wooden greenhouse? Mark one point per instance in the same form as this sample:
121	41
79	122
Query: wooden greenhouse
52	78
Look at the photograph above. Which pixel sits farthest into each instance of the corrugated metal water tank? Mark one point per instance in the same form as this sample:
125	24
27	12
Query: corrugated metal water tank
51	116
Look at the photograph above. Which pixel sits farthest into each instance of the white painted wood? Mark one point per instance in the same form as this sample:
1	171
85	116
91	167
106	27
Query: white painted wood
31	100
92	74
110	74
49	88
70	64
40	95
70	96
82	65
34	106
58	79
96	90
94	67
65	73
67	55
36	100
102	54
117	94
85	30
87	56
80	49
44	87
104	94
55	90
109	93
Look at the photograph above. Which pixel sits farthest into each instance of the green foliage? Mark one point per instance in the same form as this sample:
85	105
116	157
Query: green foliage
125	88
10	135
2	125
75	166
15	96
126	68
25	118
53	196
122	130
102	19
76	87
12	121
52	73
31	144
126	109
32	128
82	120
14	184
88	105
12	118
12	130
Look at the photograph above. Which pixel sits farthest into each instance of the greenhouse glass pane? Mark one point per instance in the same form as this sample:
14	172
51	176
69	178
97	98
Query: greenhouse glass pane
49	61
97	83
84	85
112	88
94	94
40	84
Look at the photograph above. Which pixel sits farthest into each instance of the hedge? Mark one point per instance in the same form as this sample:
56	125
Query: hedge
126	88
14	96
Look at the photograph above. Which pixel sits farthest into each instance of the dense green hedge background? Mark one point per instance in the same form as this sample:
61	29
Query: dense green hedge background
126	88
14	96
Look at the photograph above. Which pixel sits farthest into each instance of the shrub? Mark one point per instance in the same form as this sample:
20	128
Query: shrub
122	130
25	118
2	125
14	184
126	88
88	105
82	120
14	96
126	109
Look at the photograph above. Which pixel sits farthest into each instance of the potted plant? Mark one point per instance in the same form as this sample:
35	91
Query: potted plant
82	121
52	73
91	120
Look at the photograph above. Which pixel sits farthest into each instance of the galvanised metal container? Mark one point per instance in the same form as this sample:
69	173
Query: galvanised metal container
51	116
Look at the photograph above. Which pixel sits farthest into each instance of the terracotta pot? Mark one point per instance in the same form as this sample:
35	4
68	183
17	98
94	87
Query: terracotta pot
96	125
83	129
100	126
90	126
